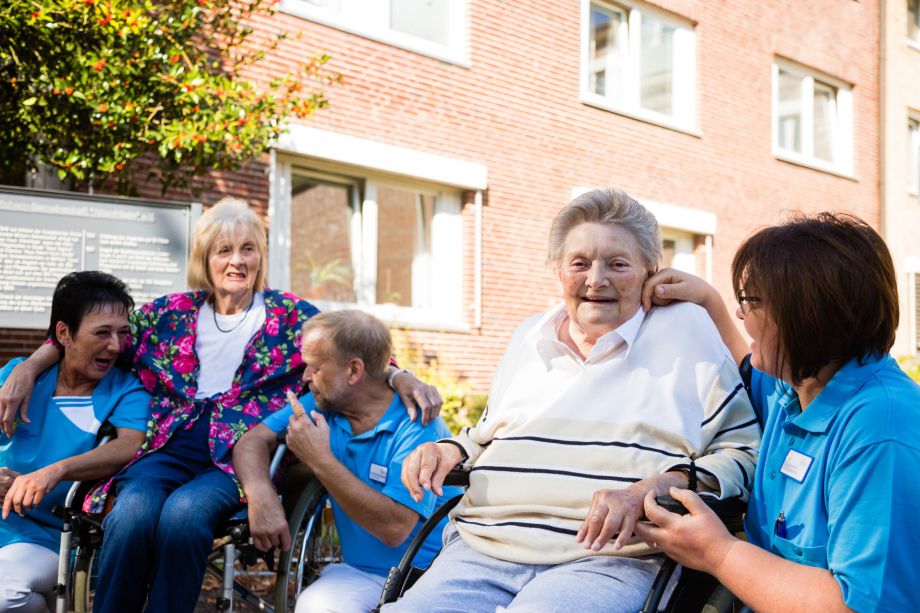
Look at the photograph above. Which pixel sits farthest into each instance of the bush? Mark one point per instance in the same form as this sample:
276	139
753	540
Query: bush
911	365
461	407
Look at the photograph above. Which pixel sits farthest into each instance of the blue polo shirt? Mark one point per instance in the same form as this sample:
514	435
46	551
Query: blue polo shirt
376	457
844	473
61	428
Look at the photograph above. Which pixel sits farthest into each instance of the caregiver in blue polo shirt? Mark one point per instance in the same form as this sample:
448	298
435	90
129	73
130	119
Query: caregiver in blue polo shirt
831	518
53	442
353	433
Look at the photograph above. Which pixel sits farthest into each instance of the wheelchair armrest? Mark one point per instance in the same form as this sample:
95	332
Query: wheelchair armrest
729	510
458	476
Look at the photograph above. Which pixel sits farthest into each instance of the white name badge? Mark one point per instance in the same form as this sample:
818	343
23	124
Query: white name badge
796	465
378	473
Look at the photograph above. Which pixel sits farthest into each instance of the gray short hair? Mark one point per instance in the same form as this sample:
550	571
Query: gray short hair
355	334
609	207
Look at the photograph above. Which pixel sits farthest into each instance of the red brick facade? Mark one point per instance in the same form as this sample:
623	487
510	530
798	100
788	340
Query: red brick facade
517	110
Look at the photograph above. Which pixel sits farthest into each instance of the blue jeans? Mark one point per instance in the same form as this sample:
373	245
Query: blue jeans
168	506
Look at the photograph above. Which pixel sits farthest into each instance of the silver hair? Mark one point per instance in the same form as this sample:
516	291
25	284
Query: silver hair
609	207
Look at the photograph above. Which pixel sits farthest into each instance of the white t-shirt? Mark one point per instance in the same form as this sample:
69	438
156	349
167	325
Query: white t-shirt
220	353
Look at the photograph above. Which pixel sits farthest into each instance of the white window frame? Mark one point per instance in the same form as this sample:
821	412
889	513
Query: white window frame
456	51
684	86
843	128
915	40
913	155
443	291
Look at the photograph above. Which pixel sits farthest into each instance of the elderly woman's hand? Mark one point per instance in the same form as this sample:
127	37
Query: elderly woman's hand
426	467
618	511
14	397
417	396
669	285
697	540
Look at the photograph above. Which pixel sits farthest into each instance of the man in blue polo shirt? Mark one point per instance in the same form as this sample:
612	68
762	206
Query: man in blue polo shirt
353	433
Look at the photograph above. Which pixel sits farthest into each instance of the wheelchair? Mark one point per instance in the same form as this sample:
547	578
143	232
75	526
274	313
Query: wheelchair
694	592
314	543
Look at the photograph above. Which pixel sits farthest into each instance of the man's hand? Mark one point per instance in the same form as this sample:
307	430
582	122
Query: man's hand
426	467
7	476
308	440
267	523
417	396
615	511
27	491
698	540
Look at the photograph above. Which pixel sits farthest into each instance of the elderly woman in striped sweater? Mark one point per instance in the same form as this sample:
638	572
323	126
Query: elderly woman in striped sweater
596	403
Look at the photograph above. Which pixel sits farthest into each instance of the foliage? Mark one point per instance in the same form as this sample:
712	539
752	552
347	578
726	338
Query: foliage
911	365
89	86
461	408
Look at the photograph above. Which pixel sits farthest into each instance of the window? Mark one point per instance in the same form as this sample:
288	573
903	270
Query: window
812	118
432	27
913	156
913	21
390	246
640	63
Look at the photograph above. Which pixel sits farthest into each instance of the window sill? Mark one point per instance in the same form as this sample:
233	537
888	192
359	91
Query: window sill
913	44
640	115
814	164
387	37
399	316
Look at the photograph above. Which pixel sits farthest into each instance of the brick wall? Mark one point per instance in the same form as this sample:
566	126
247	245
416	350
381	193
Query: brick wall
516	109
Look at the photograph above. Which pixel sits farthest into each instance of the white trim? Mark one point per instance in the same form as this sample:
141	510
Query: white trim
684	67
911	264
457	51
384	157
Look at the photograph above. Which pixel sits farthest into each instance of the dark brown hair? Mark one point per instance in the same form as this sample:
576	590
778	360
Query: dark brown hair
828	282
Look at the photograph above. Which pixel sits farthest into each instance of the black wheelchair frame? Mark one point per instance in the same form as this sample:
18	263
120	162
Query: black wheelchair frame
695	591
314	544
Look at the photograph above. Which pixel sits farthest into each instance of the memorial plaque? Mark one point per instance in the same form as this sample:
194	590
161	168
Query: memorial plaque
45	235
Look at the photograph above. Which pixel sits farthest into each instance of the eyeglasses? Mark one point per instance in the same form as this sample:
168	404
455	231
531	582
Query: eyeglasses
746	301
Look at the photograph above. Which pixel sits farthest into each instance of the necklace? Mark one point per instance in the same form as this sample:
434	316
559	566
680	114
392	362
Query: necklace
238	324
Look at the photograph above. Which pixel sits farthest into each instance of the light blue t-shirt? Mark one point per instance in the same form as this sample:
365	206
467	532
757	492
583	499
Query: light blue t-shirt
61	428
844	473
376	457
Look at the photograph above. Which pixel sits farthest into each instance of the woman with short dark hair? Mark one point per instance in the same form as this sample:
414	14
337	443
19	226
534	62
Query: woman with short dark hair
89	320
830	518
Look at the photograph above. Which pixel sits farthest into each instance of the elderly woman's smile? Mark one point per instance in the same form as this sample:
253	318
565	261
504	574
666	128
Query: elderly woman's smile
601	272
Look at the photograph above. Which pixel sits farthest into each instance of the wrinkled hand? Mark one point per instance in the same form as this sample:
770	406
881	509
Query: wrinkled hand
426	467
417	396
308	439
7	476
698	540
267	524
612	511
14	398
669	285
27	491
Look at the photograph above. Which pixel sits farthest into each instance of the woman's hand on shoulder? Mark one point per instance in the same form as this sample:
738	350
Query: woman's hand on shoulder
418	397
14	396
669	285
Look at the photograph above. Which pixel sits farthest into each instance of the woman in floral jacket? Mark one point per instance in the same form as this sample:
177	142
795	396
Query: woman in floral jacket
217	361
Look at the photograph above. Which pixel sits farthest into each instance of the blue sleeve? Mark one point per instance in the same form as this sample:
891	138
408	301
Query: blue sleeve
872	503
132	410
6	370
278	421
409	436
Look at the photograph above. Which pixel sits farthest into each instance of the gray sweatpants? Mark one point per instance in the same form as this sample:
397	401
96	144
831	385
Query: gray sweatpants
463	580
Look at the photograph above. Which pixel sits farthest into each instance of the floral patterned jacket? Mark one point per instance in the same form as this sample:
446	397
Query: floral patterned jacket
162	349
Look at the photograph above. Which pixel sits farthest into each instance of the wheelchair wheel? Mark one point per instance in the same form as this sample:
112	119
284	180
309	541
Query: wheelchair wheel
314	543
83	578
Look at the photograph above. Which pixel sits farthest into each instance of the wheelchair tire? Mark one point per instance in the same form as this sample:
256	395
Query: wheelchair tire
721	601
314	543
83	579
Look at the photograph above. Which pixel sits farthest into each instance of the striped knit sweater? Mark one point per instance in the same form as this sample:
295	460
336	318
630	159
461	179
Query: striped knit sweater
653	394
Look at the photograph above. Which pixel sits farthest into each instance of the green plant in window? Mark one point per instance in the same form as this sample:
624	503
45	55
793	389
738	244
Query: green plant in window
334	273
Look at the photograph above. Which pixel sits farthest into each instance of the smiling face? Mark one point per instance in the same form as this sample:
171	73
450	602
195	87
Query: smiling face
233	262
90	353
602	272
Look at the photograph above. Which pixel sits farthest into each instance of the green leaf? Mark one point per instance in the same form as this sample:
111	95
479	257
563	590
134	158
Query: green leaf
29	101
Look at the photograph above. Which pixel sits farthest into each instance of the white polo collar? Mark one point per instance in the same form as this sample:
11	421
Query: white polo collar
548	330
